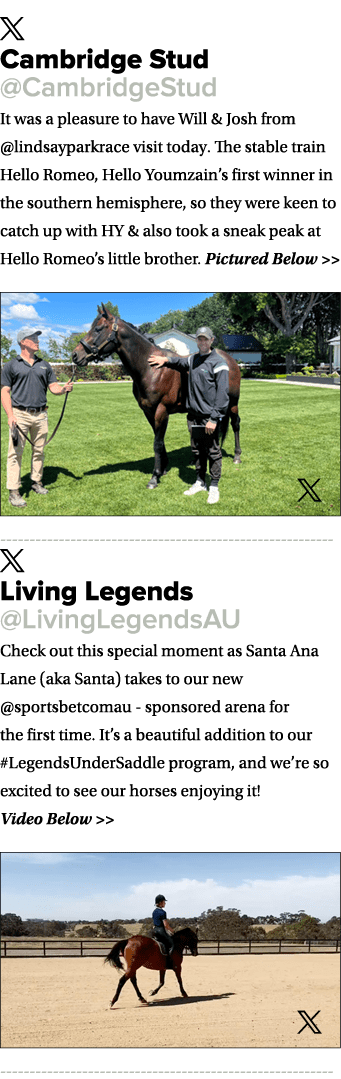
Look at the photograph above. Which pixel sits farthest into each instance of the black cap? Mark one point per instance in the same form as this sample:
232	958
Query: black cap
160	899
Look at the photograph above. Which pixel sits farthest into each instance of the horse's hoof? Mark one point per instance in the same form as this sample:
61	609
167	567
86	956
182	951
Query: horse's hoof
152	483
237	461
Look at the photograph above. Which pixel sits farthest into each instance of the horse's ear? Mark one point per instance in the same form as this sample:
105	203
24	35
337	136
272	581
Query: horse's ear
105	312
99	309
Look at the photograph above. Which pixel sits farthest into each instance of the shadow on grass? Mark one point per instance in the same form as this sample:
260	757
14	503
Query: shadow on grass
177	459
51	475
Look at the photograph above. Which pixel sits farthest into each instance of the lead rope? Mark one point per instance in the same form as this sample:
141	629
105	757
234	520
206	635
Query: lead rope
26	437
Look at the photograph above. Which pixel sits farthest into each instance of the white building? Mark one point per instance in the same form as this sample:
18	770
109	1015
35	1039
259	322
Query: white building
183	344
334	345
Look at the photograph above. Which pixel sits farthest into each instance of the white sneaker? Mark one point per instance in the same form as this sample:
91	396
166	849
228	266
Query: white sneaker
213	496
196	487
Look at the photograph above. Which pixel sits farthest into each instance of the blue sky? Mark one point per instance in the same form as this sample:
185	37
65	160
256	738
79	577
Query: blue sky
60	313
100	885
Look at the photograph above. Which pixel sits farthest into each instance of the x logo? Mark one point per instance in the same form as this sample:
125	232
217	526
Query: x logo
11	27
309	1022
12	560
309	490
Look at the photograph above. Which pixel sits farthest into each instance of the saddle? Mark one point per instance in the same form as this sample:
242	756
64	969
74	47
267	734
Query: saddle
164	953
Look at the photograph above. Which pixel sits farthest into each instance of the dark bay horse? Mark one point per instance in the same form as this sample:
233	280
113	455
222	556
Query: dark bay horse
158	391
145	952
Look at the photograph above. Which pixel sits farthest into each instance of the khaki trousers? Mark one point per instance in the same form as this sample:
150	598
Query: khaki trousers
35	425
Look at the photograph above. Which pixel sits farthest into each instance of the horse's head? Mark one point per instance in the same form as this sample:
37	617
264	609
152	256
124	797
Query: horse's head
188	939
100	341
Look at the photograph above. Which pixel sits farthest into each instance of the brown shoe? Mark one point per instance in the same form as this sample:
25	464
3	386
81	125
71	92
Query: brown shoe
16	500
39	489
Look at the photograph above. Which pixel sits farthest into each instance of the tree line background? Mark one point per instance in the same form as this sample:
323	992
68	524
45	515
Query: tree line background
217	924
293	328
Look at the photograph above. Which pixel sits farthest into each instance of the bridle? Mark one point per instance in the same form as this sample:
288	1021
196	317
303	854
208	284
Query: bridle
95	350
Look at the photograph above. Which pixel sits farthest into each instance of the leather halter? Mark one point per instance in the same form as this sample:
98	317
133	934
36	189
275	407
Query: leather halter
95	350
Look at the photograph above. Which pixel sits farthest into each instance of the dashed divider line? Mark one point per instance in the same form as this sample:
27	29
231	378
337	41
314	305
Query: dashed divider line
129	539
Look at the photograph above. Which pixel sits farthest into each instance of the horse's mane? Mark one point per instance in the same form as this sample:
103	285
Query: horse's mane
146	336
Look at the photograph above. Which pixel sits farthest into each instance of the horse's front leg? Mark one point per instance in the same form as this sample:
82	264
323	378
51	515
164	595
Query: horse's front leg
178	975
160	455
161	983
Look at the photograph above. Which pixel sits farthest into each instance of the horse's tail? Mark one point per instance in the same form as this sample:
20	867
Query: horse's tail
114	956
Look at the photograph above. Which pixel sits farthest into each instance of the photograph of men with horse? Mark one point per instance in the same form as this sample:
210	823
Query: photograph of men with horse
193	364
210	394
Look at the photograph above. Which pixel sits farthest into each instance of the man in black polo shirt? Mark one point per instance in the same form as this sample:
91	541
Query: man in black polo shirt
207	403
24	382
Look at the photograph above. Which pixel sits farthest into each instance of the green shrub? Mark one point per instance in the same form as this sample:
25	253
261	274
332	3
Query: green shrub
95	373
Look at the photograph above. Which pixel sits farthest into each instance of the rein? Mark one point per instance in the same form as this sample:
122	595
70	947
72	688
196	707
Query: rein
26	437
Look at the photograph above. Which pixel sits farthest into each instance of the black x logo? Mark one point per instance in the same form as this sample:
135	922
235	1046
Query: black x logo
12	560
11	27
309	490
309	1022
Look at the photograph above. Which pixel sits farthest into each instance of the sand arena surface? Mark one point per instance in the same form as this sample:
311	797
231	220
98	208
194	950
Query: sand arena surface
242	1001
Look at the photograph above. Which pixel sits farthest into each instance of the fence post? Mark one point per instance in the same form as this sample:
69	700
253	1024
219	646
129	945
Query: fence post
279	947
81	947
5	949
250	942
337	946
309	943
44	947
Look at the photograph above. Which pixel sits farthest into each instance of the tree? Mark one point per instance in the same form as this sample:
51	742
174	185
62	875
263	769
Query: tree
35	927
210	312
222	924
12	926
7	350
147	927
287	323
306	928
164	323
111	929
61	351
54	928
295	308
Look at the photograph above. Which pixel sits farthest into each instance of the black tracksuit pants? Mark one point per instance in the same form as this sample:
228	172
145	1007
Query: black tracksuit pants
205	447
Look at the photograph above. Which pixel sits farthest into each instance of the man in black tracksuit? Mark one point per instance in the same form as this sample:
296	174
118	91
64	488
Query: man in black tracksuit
207	403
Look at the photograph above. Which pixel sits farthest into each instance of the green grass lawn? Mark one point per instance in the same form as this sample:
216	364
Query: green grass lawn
102	457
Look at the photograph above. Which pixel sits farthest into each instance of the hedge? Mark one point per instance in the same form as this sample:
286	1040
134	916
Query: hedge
109	372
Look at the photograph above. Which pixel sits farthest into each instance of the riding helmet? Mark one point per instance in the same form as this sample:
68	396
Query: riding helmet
160	899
